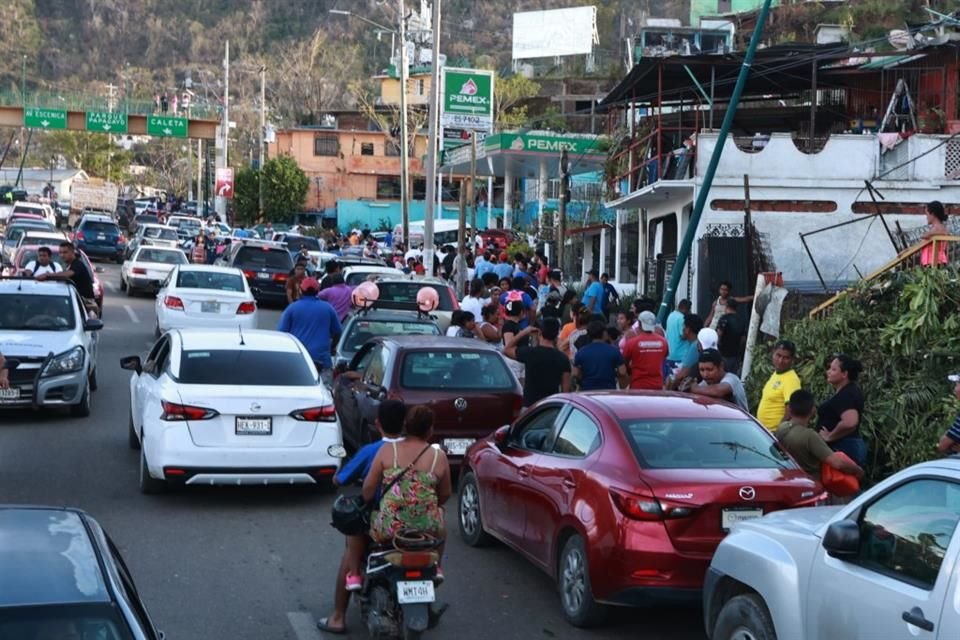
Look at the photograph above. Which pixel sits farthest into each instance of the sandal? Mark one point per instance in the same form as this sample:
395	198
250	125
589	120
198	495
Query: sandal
323	625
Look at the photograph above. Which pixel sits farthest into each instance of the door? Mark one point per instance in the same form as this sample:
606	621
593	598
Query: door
345	394
147	388
908	543
553	483
369	391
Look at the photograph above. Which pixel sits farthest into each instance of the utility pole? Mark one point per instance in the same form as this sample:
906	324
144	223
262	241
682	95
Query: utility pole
222	161
263	126
23	82
432	143
472	190
562	206
200	203
404	137
460	262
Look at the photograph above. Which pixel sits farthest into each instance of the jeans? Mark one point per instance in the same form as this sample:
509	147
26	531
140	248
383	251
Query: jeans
326	374
854	447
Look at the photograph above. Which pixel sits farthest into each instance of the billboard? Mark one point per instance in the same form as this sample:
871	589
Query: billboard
558	32
467	101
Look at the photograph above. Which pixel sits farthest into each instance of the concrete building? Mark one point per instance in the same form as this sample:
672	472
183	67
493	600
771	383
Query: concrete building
34	180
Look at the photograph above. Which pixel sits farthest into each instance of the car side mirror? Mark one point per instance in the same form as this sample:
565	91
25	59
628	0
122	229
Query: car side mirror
500	435
93	324
842	539
341	367
132	363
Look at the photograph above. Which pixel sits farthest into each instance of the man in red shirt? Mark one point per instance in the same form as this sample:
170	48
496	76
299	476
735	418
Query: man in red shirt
645	354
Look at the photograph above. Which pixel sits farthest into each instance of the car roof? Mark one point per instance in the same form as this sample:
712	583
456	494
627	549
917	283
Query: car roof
408	279
96	217
434	343
151	247
47	557
633	405
372	268
30	286
21	215
152	225
253	340
31	205
46	235
399	315
209	268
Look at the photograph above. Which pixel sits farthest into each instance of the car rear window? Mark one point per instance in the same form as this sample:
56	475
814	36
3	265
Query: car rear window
704	444
149	219
233	367
24	312
100	227
295	243
161	234
163	257
461	370
210	280
363	331
263	257
406	293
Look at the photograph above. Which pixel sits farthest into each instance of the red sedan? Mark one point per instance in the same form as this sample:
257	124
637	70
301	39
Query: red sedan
623	497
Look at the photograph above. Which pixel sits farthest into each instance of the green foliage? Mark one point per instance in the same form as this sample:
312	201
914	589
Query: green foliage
284	188
246	195
519	246
904	330
509	94
383	224
92	152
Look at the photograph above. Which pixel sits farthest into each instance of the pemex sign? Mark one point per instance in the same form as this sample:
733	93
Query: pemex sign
467	99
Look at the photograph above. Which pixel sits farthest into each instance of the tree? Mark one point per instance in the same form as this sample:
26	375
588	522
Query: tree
246	195
508	95
94	153
284	188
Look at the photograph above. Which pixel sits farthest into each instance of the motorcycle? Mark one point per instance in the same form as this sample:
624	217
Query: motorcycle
398	594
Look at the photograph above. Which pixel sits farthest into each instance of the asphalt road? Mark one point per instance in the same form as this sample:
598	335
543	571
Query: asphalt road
255	564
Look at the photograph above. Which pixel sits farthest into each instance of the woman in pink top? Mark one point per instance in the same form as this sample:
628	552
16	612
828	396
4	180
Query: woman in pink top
937	219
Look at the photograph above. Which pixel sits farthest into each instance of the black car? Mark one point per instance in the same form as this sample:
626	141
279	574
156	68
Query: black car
365	325
64	578
266	265
99	236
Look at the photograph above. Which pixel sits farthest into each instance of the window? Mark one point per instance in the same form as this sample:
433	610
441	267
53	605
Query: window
366	148
160	256
373	375
534	432
461	370
101	227
579	436
906	532
210	280
326	145
391	149
263	258
363	359
243	367
388	187
362	331
404	293
25	312
419	87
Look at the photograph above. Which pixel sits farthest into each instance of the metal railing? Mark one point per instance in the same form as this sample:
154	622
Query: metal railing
87	102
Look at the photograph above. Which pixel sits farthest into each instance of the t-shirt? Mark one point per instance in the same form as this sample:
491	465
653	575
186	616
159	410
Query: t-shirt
36	269
598	363
737	396
82	279
954	432
776	395
731	332
593	297
474	306
515	294
644	355
805	445
691	357
849	397
315	323
546	366
675	336
511	326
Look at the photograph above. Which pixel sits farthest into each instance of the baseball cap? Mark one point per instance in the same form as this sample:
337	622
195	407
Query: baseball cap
309	284
707	338
594	273
647	320
504	257
954	377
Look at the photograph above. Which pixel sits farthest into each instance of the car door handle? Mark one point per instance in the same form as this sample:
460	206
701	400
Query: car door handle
523	472
916	618
569	483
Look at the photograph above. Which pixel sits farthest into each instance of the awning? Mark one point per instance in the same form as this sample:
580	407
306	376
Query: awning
521	154
659	191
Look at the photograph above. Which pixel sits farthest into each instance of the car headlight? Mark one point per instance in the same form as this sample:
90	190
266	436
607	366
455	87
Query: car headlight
66	362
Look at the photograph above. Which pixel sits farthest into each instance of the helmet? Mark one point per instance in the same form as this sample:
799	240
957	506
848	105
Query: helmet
350	515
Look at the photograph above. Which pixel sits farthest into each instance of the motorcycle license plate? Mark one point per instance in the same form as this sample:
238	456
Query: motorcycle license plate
415	592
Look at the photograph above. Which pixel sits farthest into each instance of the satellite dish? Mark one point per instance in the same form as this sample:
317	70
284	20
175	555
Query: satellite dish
899	39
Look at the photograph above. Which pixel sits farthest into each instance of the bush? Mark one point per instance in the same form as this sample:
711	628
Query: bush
904	328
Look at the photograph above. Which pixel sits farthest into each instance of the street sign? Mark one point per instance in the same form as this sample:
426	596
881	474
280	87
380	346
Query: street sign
167	126
456	137
467	99
106	121
36	118
224	183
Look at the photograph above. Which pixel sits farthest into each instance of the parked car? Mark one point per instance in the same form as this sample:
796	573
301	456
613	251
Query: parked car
43	210
266	265
27	253
51	239
355	274
203	296
147	217
622	497
100	236
467	383
148	268
153	235
364	325
887	565
294	242
216	407
64	578
13	232
400	293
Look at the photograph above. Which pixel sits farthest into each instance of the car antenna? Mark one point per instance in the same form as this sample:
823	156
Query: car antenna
240	329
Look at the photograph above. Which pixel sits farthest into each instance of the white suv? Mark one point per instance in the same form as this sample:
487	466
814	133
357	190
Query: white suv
44	327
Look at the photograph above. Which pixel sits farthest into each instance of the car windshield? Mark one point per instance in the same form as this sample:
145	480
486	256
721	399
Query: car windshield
160	233
31	254
263	257
242	367
100	227
295	243
210	280
704	444
362	331
163	257
461	370
25	312
101	621
406	293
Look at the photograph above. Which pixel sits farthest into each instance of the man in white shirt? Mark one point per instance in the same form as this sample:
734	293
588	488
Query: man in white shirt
43	264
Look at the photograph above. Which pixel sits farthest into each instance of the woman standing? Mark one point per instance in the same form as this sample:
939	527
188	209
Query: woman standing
841	415
489	326
937	219
199	253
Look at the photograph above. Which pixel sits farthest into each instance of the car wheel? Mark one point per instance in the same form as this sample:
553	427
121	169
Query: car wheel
123	283
82	409
744	617
132	439
576	594
129	291
471	521
149	484
93	380
156	331
118	259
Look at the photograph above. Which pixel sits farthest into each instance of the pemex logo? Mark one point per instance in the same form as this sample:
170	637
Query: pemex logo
469	88
469	99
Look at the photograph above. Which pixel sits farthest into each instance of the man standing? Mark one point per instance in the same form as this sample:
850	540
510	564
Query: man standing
645	354
717	382
611	297
675	331
76	272
689	371
338	293
950	442
804	443
732	336
720	304
43	264
593	295
295	280
315	324
552	367
599	365
780	386
503	267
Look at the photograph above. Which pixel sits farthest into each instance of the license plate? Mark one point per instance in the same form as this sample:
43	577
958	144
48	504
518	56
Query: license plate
101	236
9	395
414	592
730	517
457	446
210	307
254	426
263	276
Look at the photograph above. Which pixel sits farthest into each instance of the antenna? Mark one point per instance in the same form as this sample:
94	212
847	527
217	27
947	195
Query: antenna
240	329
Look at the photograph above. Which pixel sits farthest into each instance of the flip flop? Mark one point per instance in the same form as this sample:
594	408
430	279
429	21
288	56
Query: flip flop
323	625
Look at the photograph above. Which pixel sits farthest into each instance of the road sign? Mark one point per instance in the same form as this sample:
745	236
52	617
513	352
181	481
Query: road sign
224	183
36	118
467	99
456	137
106	121
167	126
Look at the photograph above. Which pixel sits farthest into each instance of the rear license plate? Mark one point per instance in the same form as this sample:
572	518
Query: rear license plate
101	236
210	307
414	592
254	426
730	517
263	276
9	395
457	446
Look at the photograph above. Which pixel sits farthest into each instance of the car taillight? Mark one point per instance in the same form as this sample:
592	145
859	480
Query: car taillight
173	302
79	235
140	271
180	412
121	239
279	277
246	307
644	507
250	274
326	413
453	296
818	500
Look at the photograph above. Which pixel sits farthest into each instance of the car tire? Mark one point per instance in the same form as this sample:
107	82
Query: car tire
92	382
156	331
148	484
573	580
123	283
129	290
744	616
82	409
468	511
118	260
132	438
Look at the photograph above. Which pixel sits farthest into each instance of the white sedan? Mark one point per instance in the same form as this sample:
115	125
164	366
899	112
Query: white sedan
219	407
148	267
205	297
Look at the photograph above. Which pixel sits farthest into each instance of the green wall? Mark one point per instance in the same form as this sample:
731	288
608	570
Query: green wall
710	8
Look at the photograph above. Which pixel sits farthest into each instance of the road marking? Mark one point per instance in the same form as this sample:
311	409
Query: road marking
304	626
109	285
132	314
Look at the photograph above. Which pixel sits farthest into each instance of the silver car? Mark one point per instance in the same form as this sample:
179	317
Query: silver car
884	567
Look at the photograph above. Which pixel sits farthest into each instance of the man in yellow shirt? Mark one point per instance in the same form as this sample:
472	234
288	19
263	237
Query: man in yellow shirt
781	385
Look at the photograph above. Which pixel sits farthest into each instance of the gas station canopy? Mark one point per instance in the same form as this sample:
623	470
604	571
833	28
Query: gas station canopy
520	154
